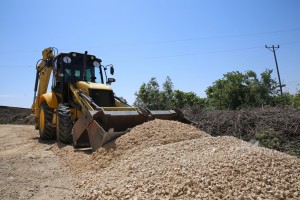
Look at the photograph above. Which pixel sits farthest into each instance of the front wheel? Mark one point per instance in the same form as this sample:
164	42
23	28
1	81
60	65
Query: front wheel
64	124
46	128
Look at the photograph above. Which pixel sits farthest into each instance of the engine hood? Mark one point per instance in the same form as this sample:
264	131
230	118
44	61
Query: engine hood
85	86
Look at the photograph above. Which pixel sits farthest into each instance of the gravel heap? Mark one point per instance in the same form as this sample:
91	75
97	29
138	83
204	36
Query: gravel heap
150	134
170	160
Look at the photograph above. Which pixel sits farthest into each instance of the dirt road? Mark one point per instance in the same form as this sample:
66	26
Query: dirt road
29	169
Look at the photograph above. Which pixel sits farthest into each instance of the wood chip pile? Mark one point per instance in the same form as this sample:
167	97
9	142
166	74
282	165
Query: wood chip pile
245	123
170	160
276	123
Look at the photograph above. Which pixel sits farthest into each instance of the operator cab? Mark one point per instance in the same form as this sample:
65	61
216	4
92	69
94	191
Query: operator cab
73	67
69	68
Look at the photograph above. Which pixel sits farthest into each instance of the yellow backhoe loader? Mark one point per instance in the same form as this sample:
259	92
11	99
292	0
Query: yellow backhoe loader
80	110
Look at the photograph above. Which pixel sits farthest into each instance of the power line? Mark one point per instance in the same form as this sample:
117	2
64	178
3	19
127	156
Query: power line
290	43
181	55
223	37
220	51
180	40
208	52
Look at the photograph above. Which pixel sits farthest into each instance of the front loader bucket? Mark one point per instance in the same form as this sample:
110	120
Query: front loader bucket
96	128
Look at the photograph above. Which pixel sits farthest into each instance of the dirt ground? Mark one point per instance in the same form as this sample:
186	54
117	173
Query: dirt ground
29	169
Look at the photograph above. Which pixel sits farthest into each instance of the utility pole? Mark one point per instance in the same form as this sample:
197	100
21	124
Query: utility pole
273	49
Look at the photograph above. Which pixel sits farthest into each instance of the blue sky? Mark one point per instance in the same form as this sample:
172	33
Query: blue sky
194	42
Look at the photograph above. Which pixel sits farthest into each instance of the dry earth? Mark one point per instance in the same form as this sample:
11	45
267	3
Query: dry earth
29	169
156	160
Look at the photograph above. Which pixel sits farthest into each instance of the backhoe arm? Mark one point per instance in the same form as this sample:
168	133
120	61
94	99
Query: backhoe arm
43	73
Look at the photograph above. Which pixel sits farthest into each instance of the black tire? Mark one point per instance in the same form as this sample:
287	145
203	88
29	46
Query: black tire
64	124
46	128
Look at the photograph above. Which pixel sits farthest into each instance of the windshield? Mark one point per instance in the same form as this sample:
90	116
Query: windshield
74	69
77	73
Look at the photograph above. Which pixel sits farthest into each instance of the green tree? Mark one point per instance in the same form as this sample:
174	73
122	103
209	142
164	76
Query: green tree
215	94
148	95
228	92
167	95
252	86
187	99
238	90
296	100
268	88
286	99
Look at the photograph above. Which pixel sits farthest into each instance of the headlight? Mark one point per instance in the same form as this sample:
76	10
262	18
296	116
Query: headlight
96	64
67	59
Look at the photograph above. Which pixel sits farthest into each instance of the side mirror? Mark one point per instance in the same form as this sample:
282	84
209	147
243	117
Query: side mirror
112	70
110	80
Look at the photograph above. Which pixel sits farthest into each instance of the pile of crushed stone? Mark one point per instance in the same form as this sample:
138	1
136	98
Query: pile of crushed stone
152	133
170	160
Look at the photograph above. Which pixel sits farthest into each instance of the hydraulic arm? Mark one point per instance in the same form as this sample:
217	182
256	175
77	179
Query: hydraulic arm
43	72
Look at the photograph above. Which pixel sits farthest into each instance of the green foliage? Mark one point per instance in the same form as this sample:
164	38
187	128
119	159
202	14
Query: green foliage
296	101
293	147
149	96
275	140
167	95
237	90
187	99
268	138
286	99
268	88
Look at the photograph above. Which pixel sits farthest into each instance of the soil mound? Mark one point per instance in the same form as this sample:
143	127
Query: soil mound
14	115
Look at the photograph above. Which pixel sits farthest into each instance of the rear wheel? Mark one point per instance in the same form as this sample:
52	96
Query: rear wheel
46	128
64	124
